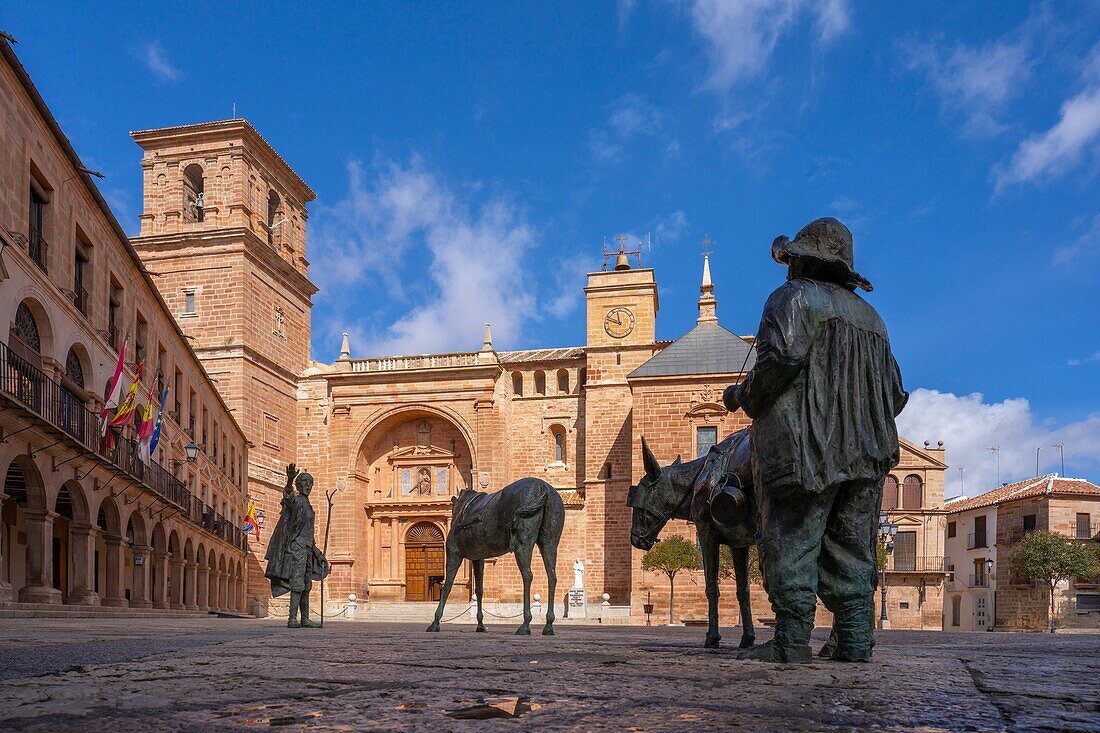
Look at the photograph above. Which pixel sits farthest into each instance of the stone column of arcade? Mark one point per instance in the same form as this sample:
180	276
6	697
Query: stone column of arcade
82	538
223	590
212	589
139	595
191	586
39	587
5	581
116	563
160	579
175	597
202	587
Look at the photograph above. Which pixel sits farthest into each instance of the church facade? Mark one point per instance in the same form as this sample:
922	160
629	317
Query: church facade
397	436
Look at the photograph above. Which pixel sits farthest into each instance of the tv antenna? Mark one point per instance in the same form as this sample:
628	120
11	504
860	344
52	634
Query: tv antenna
621	254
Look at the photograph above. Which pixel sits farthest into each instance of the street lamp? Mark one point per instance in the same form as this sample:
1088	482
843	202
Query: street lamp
886	533
989	593
260	517
192	451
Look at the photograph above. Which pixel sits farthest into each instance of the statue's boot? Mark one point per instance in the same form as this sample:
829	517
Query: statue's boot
295	603
790	645
829	649
727	505
307	622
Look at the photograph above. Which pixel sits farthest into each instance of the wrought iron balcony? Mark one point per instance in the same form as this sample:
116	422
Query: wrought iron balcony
80	298
27	385
978	581
915	564
975	540
38	249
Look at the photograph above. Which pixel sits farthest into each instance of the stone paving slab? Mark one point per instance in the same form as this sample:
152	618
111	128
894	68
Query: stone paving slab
220	674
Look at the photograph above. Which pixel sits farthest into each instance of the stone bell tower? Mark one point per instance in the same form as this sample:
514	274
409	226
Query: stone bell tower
224	231
621	326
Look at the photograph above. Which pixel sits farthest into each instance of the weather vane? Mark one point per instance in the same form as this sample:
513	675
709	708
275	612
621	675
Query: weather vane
707	245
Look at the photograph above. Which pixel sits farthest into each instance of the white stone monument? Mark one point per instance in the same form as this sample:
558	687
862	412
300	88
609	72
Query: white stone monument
578	599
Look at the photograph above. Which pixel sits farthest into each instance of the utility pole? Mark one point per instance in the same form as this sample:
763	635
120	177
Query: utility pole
1037	449
1062	454
996	450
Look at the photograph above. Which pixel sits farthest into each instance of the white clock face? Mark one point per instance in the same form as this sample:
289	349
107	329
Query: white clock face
618	322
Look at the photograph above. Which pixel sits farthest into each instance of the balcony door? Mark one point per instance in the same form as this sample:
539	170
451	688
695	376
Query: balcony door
905	552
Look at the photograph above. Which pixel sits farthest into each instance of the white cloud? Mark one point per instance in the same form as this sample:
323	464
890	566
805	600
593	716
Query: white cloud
1085	246
969	426
470	265
156	60
1093	359
741	36
974	83
674	226
631	117
1047	155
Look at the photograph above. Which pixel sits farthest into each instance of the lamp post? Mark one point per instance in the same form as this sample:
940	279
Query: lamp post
886	533
192	451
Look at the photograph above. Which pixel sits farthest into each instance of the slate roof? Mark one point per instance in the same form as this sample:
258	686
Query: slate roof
1032	487
709	348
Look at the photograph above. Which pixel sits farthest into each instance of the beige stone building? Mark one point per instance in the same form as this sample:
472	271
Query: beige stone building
86	522
983	595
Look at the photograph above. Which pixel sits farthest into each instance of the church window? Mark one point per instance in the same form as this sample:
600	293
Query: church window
563	381
189	302
517	384
540	382
558	434
194	193
274	215
705	438
890	493
911	492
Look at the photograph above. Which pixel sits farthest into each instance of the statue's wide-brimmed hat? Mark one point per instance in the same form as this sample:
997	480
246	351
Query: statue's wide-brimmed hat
827	241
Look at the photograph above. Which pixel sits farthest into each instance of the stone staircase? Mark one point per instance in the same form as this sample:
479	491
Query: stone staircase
418	612
50	610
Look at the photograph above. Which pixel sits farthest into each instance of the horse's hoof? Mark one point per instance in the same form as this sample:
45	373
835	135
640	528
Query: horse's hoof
747	642
523	631
480	629
433	627
713	642
548	631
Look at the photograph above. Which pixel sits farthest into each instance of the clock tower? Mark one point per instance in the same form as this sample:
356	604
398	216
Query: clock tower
621	324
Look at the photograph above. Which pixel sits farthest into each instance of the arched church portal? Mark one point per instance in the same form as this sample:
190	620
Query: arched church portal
425	562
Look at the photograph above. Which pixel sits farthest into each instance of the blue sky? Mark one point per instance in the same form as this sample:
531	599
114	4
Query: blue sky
470	159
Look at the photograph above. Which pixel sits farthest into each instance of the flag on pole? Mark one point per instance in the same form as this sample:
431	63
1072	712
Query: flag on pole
250	523
125	410
114	392
156	428
145	428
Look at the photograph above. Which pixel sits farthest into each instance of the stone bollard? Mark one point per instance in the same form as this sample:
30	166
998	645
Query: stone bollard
605	608
536	606
352	608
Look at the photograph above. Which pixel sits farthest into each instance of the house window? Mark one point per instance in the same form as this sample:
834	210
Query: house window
977	538
978	579
890	493
563	381
177	393
905	552
140	338
517	384
114	315
1083	526
189	303
705	438
912	492
194	193
80	278
956	610
1029	523
191	414
540	382
951	529
37	246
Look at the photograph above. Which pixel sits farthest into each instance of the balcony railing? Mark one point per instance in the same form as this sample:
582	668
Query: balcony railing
1093	532
425	361
915	564
23	382
975	540
38	249
978	581
80	298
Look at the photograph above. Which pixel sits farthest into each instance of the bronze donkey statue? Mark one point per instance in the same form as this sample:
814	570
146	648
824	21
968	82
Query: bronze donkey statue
686	491
523	514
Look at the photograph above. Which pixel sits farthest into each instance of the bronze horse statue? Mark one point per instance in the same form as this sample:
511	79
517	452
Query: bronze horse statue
687	491
523	514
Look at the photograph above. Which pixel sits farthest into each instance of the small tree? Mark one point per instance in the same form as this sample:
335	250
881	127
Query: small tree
725	564
1051	558
670	557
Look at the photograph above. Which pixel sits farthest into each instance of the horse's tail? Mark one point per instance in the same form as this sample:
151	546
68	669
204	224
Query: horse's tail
553	517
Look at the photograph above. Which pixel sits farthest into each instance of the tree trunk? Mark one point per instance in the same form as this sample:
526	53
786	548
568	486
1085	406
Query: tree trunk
1052	586
671	596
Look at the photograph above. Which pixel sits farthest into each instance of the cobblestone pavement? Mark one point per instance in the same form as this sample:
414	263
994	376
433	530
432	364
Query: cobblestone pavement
220	674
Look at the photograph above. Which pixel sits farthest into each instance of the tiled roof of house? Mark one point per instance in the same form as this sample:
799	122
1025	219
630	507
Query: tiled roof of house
709	348
529	355
1032	487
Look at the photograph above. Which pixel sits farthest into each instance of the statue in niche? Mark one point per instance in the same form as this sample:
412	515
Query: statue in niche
424	482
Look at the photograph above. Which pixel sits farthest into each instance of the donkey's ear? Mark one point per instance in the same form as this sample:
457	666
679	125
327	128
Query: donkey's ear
679	458
649	461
